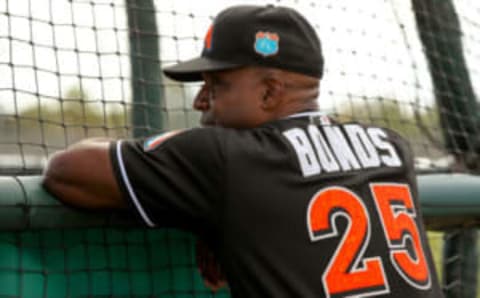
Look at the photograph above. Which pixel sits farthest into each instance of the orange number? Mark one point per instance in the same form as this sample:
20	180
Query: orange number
395	208
348	273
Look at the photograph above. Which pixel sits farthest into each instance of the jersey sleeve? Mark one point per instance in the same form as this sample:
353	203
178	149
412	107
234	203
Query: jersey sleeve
172	180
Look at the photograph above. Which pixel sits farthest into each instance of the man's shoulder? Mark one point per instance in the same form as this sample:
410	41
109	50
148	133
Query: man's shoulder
202	139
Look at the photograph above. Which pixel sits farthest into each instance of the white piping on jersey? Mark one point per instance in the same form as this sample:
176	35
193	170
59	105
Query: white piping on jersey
133	196
304	114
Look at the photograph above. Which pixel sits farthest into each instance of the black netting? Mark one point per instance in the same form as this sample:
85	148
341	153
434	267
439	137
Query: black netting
77	69
99	263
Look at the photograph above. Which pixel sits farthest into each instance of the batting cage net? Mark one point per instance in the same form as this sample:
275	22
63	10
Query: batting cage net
99	263
77	69
74	69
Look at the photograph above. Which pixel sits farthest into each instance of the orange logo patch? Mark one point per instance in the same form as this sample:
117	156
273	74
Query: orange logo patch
208	38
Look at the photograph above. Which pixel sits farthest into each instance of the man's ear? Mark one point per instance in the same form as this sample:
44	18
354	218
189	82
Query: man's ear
273	95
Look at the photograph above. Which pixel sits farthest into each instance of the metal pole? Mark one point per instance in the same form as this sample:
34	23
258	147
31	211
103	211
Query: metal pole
145	68
440	33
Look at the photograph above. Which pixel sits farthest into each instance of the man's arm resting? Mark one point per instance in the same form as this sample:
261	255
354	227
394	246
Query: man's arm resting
82	176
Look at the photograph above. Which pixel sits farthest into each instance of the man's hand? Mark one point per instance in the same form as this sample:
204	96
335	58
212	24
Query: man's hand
210	269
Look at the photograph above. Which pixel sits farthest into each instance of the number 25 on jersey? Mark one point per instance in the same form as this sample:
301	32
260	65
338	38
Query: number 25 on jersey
349	273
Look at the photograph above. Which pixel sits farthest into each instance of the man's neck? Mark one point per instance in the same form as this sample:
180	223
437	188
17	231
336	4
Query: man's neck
297	107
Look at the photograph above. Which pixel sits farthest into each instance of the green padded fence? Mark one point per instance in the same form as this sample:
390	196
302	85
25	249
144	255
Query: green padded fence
25	205
445	206
51	250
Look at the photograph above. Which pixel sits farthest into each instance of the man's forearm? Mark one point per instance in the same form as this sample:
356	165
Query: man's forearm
82	175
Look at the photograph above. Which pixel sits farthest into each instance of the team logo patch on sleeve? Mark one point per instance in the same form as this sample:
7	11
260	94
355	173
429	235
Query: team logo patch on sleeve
153	142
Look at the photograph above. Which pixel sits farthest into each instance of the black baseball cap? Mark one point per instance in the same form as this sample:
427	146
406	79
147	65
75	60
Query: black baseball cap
248	35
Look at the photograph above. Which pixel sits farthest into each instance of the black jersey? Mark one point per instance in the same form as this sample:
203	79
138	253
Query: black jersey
298	207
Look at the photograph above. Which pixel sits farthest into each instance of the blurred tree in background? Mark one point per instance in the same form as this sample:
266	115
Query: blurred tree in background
76	108
390	113
60	122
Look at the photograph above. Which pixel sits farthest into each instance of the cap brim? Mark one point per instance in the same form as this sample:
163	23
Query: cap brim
191	70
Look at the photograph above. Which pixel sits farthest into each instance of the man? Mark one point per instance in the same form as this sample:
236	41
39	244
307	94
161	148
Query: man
292	204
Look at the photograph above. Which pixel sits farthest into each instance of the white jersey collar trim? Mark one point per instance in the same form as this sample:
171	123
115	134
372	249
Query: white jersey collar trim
307	114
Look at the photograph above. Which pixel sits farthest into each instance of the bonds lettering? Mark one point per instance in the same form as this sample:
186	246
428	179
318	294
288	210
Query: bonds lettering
306	156
343	151
331	149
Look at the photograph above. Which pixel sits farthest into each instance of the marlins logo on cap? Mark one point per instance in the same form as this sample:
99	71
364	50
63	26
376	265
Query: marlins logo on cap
266	43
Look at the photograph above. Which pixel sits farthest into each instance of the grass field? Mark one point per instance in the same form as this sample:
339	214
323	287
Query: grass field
436	245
